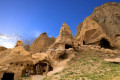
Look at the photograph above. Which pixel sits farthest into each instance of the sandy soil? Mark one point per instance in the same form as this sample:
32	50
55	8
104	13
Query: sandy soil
37	77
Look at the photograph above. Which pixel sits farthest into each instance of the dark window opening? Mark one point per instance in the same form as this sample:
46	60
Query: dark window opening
27	64
44	71
105	43
63	56
83	42
16	64
50	68
78	44
8	76
67	46
11	63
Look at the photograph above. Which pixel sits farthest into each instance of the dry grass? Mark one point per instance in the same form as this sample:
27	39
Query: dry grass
89	66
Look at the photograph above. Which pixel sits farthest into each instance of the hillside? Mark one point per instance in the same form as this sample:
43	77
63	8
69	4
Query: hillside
89	65
93	54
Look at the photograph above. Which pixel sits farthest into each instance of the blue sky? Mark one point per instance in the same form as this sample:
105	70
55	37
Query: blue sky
29	18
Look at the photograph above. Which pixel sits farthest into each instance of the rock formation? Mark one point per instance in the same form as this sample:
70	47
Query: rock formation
42	43
91	32
63	47
99	28
27	47
2	48
65	35
19	43
78	29
96	32
19	62
108	16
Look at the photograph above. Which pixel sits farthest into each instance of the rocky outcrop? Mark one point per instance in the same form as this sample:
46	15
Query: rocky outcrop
78	29
27	47
99	28
116	60
14	61
41	44
2	48
19	62
96	32
108	16
62	49
91	32
19	43
65	35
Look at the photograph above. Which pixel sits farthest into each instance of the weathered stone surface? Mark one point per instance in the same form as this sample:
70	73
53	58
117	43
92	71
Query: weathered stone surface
19	43
108	16
14	55
91	33
100	26
116	60
27	47
18	59
78	29
108	51
2	48
42	43
65	35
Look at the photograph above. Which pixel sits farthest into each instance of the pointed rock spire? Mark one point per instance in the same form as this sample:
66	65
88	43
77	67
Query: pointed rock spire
41	44
65	35
19	43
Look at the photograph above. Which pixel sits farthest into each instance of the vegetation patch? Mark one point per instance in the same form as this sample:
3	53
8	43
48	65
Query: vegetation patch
89	65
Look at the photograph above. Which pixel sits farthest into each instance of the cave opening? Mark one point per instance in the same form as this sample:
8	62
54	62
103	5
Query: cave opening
83	42
63	56
67	46
104	43
8	76
42	67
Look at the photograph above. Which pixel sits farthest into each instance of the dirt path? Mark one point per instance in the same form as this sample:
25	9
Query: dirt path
37	77
60	66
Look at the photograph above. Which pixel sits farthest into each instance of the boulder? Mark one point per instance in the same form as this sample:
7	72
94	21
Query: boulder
116	60
108	51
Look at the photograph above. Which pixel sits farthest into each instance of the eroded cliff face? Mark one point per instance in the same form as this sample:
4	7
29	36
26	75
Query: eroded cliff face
108	16
104	23
42	43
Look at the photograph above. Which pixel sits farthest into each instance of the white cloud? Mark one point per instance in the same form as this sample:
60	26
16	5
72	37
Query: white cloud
8	41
